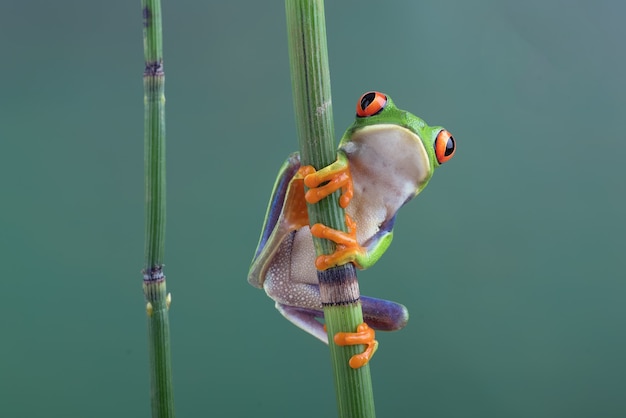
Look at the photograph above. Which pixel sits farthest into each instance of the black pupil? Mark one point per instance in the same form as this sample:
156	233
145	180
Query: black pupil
449	146
367	100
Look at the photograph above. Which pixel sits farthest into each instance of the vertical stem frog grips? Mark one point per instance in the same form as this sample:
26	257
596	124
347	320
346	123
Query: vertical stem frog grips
321	184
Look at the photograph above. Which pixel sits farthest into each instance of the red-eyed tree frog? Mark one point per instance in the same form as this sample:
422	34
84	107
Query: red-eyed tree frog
384	159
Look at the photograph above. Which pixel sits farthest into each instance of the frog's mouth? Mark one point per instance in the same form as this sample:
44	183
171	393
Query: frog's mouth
390	151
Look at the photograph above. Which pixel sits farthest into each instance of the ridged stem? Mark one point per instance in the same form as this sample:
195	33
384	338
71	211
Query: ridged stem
154	285
310	79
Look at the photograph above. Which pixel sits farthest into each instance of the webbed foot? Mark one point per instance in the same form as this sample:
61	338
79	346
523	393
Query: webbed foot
347	249
333	177
363	335
321	184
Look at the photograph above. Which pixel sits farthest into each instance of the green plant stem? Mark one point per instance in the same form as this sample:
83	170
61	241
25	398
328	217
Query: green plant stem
339	289
154	285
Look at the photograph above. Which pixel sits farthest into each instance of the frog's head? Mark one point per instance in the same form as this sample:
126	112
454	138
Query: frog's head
375	108
395	143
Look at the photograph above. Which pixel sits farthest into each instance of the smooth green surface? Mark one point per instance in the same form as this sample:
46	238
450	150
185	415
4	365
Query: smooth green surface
510	263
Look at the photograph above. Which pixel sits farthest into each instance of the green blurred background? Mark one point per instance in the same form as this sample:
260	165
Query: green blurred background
511	262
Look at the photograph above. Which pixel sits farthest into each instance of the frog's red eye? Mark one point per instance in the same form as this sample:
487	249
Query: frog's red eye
444	146
370	104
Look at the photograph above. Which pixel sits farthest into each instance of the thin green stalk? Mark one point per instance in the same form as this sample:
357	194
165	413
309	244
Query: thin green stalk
154	286
310	79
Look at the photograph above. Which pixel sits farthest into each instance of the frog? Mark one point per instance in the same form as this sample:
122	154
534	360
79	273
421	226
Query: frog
384	159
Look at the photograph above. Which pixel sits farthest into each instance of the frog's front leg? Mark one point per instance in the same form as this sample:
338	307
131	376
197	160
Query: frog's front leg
336	176
321	184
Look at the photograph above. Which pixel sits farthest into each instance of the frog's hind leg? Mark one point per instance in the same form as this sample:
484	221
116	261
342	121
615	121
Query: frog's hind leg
384	315
305	319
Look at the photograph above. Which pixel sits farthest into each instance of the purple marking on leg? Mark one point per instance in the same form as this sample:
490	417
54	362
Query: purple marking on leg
305	319
384	315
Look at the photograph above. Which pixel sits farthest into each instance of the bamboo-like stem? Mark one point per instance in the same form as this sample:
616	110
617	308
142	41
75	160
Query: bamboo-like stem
310	79
154	285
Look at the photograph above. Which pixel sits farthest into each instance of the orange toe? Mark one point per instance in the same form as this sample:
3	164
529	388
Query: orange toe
363	335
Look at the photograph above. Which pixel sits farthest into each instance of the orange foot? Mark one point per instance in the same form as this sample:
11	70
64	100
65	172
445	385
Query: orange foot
363	335
347	248
335	176
332	178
